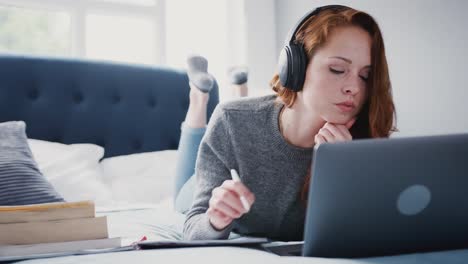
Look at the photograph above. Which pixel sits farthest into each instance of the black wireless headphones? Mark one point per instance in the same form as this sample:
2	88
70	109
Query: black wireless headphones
292	62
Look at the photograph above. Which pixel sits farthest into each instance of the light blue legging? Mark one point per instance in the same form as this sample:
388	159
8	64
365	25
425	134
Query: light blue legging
189	143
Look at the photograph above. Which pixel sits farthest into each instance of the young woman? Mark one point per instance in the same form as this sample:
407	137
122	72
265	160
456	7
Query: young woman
344	93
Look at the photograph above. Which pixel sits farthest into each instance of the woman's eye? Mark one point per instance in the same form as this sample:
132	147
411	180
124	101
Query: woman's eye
364	78
336	71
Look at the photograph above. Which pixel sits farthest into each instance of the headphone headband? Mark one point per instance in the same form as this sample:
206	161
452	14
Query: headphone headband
292	33
292	62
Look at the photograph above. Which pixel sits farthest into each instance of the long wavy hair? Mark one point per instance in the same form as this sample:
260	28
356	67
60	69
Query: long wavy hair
377	116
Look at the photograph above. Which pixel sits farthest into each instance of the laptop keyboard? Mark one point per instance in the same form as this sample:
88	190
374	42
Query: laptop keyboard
285	249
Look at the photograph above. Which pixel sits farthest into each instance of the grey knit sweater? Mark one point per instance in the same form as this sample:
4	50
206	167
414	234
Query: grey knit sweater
244	135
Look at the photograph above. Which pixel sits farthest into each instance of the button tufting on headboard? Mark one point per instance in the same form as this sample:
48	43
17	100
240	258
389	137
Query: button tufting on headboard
33	94
156	100
101	143
78	97
116	99
136	144
152	102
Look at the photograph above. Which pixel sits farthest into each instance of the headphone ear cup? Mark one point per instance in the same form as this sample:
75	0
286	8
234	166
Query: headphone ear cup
292	66
284	67
297	67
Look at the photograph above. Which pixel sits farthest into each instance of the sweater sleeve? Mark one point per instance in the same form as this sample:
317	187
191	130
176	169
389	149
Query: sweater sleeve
211	170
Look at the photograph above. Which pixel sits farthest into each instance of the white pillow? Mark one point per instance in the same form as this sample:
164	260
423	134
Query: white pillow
142	177
73	170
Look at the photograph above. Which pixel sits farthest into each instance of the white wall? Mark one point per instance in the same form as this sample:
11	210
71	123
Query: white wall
237	33
261	43
427	50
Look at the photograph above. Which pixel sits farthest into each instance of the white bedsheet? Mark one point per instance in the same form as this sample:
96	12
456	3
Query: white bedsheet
155	221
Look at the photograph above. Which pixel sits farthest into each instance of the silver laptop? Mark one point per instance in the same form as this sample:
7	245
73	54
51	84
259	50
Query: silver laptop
388	196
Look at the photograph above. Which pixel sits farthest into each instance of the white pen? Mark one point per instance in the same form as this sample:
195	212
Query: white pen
236	177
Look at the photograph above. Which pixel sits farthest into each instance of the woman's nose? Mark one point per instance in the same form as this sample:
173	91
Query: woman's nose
352	87
350	90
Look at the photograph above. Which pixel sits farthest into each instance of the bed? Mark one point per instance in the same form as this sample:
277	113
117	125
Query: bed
117	126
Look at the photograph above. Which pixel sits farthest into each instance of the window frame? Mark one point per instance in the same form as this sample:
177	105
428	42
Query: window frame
78	9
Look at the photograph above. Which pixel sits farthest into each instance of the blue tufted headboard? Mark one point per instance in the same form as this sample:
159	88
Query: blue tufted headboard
124	108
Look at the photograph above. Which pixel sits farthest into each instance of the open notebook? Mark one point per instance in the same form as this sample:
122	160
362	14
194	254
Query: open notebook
47	250
238	241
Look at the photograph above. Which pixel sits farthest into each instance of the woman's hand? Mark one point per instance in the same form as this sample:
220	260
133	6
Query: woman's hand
225	204
334	133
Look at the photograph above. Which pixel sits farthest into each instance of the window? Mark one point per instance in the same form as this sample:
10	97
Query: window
162	32
120	38
34	31
116	30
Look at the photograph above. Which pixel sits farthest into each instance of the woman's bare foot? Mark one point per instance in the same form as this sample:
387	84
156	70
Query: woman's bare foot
240	90
196	114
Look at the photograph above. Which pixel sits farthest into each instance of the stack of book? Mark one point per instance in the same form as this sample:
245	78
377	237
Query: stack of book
52	228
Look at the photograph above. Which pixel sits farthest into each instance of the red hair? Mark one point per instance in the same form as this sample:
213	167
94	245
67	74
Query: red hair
377	115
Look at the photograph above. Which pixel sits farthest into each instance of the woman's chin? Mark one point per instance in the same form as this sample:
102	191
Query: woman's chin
337	119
